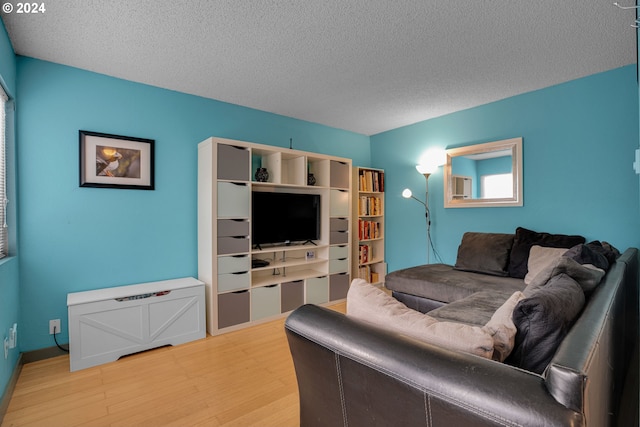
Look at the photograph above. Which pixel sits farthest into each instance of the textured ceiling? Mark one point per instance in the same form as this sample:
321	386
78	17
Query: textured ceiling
362	65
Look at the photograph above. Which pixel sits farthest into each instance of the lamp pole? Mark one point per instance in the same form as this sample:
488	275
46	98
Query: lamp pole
427	216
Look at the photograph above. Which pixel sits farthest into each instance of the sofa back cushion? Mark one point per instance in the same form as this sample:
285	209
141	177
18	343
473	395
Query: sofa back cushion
540	258
525	239
543	320
486	253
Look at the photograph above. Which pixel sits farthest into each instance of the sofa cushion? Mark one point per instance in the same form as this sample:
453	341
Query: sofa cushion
525	239
442	282
486	253
590	253
476	309
608	250
502	328
492	311
540	257
543	320
587	276
372	305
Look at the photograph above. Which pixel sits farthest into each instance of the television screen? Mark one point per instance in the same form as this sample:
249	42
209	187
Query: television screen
284	217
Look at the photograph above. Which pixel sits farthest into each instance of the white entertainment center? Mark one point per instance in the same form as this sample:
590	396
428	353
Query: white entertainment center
241	289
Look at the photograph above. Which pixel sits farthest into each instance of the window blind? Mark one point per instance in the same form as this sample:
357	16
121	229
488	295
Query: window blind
3	187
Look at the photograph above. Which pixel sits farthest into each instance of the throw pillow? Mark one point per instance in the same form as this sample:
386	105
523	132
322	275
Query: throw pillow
541	257
372	305
525	239
502	328
486	253
543	321
590	253
587	276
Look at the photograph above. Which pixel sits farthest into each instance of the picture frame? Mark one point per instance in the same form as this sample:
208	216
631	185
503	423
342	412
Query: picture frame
115	161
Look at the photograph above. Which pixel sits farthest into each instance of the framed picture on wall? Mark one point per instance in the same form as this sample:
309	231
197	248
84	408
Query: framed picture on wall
113	161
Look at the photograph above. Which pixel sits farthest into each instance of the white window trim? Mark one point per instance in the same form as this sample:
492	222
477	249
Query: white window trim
4	235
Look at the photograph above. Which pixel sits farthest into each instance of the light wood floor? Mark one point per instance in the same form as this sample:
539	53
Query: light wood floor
243	378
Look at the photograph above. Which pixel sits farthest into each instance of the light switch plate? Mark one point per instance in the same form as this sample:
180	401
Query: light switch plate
13	336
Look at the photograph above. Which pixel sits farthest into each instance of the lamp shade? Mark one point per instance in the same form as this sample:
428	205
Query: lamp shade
406	193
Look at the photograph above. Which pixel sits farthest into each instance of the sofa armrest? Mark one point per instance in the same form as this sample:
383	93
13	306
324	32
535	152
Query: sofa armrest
351	373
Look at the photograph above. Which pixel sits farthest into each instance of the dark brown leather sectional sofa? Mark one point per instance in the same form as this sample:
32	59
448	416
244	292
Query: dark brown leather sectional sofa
352	373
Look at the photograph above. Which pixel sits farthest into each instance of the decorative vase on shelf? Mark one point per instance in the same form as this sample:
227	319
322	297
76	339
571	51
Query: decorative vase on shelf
262	175
311	180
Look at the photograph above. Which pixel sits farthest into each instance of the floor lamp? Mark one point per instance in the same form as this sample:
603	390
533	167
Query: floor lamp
407	194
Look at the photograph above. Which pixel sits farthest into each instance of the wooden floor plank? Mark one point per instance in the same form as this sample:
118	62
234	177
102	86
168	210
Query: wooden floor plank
242	378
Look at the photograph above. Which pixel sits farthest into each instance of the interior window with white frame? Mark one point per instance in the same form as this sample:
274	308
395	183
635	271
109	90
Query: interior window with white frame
3	183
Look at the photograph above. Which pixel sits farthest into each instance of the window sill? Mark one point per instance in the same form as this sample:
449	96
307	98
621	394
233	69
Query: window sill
7	260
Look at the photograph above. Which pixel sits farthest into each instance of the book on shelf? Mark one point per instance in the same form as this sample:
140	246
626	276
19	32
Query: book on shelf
366	273
368	230
369	206
371	180
364	252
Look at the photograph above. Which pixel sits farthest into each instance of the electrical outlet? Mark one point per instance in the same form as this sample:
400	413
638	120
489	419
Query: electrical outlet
13	336
6	347
55	323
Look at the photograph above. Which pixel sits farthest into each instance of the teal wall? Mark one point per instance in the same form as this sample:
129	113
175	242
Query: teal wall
579	140
9	278
75	239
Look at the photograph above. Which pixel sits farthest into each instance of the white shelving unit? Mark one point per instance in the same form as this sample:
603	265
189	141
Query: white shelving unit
368	218
461	187
237	293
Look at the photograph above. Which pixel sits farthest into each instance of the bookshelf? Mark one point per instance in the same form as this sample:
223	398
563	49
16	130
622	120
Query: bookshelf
368	219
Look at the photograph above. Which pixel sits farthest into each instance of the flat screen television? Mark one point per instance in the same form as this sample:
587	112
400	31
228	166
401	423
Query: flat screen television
284	218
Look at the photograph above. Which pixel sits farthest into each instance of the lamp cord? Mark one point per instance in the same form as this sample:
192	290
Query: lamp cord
430	240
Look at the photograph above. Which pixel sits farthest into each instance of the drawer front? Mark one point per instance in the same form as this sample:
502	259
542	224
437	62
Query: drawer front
291	295
317	290
234	264
234	281
339	203
233	227
338	265
338	237
338	224
265	302
338	286
233	163
338	252
233	245
233	200
339	174
233	308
